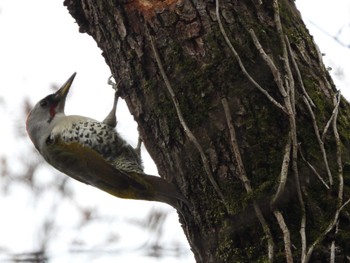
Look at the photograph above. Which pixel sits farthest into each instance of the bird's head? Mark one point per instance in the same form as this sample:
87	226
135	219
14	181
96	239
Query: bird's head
41	118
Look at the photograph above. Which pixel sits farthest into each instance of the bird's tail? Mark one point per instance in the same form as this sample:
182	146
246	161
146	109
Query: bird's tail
166	192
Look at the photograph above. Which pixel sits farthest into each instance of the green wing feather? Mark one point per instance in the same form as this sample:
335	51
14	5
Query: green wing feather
86	165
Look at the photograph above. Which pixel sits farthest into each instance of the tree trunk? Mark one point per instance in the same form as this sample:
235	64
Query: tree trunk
236	108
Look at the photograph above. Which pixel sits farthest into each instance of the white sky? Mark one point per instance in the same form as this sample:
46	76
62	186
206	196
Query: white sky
40	45
331	17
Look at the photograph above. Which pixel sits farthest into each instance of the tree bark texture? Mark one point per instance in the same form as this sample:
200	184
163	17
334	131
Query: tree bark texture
237	110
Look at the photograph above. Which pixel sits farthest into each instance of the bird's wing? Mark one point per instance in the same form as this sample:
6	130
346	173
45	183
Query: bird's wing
103	139
86	165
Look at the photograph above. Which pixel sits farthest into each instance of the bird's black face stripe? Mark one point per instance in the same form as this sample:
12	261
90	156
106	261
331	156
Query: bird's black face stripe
50	102
43	103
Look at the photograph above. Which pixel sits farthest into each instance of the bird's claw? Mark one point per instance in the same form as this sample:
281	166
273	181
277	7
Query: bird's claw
113	84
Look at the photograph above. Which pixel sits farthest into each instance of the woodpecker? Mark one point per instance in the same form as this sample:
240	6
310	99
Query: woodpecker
93	152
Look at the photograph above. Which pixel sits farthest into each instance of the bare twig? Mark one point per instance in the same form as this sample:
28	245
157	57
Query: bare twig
287	90
289	80
336	102
243	177
320	142
275	72
332	257
335	38
326	231
290	106
183	123
334	113
283	173
286	235
241	65
300	196
314	170
276	197
296	67
287	93
235	148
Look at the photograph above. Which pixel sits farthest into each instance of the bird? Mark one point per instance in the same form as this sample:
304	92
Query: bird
93	152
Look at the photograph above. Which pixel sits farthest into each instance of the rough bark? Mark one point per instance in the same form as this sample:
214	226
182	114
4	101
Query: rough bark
232	109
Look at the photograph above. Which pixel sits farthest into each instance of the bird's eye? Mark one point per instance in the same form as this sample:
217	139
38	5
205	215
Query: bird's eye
43	103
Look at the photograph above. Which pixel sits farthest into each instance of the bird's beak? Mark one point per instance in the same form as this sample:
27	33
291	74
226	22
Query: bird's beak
61	94
63	91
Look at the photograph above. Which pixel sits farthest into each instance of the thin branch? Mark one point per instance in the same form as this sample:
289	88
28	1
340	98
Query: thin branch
279	192
275	72
283	173
281	35
245	72
335	38
314	170
243	177
336	102
300	196
288	94
286	236
290	106
183	123
332	257
326	231
334	113
235	148
320	142
289	102
296	67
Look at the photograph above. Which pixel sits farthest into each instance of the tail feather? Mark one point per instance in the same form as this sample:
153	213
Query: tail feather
166	192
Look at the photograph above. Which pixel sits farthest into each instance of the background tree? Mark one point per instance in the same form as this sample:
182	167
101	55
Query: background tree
236	108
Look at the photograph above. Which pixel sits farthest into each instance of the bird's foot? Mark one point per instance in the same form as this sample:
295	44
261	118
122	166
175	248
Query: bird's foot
112	83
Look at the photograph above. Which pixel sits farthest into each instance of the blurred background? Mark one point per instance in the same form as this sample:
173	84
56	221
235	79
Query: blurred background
46	216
